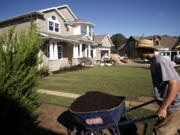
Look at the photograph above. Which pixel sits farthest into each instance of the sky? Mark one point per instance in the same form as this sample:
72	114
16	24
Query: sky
127	17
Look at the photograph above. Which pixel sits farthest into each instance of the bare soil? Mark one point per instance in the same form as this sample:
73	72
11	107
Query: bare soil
51	121
95	101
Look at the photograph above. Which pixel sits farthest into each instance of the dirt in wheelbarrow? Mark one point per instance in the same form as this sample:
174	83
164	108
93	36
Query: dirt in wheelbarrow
95	101
50	125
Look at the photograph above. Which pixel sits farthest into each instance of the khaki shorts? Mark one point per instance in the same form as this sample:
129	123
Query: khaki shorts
170	125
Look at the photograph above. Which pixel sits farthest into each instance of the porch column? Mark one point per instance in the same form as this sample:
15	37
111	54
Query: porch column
94	53
75	51
80	50
85	50
51	51
55	51
89	51
109	51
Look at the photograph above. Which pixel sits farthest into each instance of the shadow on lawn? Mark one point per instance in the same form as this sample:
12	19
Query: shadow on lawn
17	119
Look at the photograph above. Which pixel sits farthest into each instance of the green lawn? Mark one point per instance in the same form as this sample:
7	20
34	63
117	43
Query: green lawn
126	81
118	80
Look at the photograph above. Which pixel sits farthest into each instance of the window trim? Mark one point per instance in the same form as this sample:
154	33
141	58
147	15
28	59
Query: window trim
54	24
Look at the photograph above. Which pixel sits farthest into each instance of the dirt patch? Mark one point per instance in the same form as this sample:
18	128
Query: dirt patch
95	101
48	118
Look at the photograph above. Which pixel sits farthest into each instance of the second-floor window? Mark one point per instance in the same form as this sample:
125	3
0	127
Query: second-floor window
156	43
68	28
53	24
90	31
56	27
83	29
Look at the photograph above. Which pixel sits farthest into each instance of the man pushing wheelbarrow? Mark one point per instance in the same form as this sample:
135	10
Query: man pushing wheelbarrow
96	111
166	82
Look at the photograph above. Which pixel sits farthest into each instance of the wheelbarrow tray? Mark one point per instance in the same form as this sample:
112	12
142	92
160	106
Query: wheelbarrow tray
100	119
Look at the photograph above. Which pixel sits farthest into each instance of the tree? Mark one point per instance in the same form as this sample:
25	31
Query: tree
118	40
18	76
178	37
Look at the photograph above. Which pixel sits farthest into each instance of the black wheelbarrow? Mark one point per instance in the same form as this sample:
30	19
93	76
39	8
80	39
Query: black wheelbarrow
93	123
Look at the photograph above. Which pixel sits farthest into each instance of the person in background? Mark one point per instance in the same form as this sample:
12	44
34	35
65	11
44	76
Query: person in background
166	83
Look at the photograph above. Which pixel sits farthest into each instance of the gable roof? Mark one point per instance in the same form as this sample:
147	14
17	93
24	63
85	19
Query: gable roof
99	38
165	41
56	9
168	41
21	16
41	12
81	21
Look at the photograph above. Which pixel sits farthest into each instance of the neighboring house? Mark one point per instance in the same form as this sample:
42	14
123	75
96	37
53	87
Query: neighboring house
68	39
162	43
103	50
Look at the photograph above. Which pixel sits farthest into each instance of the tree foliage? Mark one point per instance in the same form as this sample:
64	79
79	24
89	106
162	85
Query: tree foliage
118	40
18	75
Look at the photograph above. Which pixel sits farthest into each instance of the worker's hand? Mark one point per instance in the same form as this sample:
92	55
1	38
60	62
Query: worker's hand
162	113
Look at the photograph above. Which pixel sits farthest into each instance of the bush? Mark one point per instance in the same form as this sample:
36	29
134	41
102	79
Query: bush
18	75
44	71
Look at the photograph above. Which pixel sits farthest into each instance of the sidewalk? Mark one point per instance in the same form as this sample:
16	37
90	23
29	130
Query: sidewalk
129	104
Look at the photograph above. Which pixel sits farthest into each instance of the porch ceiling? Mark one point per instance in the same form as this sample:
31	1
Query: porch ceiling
59	38
69	39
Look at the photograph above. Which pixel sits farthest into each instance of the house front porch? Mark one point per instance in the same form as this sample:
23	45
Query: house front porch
61	53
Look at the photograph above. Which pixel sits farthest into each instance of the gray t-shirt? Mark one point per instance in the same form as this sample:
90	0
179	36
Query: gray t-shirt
162	71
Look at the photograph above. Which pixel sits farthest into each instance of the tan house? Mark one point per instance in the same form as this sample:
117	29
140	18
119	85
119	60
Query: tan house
162	43
68	39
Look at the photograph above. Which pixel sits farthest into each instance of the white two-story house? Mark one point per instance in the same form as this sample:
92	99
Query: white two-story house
68	39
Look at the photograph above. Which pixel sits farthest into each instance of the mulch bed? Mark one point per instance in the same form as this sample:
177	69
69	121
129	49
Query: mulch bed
70	69
95	101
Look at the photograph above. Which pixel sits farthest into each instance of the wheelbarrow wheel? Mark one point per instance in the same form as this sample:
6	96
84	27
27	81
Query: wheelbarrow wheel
76	131
94	132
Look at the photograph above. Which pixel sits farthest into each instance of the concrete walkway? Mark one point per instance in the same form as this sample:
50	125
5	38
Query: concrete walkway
129	104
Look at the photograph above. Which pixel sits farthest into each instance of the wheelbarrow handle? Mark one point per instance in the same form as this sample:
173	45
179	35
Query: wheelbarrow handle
137	120
146	103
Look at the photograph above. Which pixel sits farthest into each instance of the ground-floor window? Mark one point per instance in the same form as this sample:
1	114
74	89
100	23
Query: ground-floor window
104	54
54	51
60	52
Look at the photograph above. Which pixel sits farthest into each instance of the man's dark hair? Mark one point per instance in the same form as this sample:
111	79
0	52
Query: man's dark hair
147	50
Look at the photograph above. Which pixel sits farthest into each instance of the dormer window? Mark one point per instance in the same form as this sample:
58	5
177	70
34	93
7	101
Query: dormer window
53	24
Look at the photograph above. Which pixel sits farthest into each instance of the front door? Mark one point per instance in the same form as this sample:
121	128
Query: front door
70	55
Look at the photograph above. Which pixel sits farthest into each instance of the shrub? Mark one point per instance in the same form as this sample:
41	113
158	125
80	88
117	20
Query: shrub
18	75
44	71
